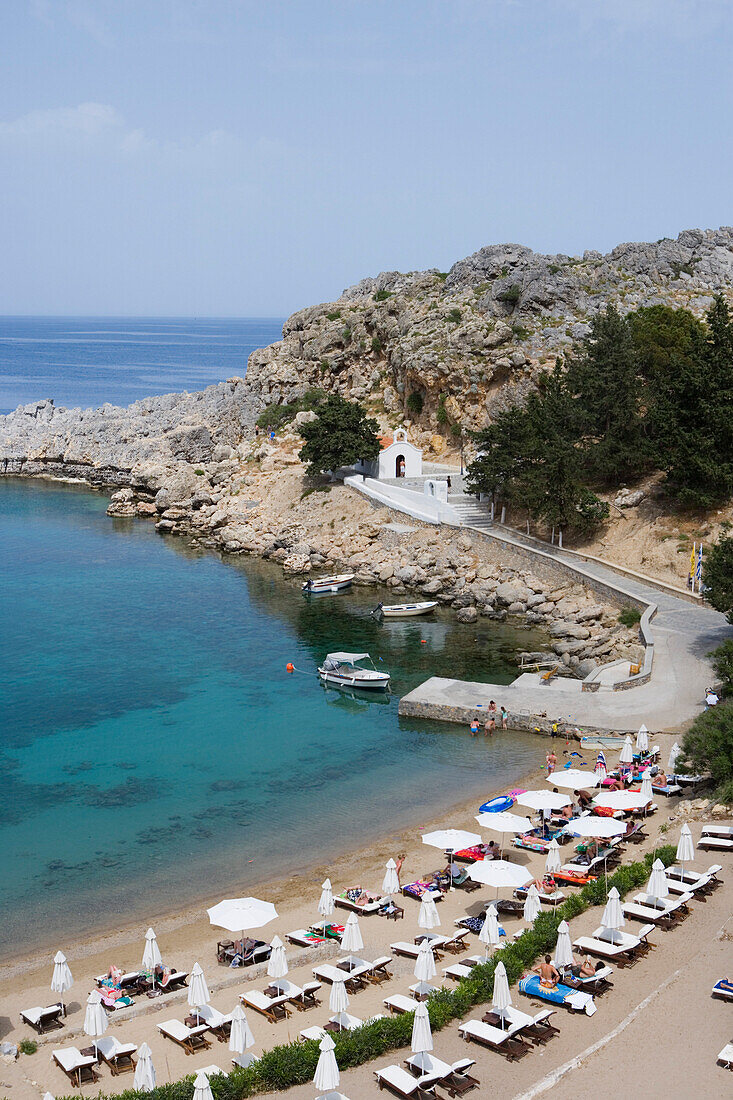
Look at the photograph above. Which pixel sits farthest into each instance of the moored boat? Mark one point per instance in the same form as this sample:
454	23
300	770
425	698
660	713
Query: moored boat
346	670
405	610
318	586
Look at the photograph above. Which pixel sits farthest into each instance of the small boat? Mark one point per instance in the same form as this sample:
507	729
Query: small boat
405	610
345	670
496	805
316	586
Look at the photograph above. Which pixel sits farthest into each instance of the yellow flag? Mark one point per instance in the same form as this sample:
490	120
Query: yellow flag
692	561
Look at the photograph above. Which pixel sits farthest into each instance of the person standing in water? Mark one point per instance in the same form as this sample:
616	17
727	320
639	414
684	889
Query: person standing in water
504	718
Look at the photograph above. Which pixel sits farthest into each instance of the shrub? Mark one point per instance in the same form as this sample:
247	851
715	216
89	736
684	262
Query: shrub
346	335
455	316
334	316
629	616
382	295
456	430
199	473
441	415
442	275
315	489
415	402
376	344
723	664
510	295
27	1046
708	747
275	417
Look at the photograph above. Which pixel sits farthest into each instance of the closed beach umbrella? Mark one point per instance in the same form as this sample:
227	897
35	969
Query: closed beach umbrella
627	752
544	800
95	1018
489	932
151	953
241	914
685	848
202	1088
500	873
613	918
326	1077
198	990
61	979
642	739
599	828
351	939
646	791
425	963
552	860
277	964
240	1036
502	998
621	800
674	752
144	1079
658	886
391	882
338	1000
575	780
563	948
428	915
600	768
531	904
325	904
422	1037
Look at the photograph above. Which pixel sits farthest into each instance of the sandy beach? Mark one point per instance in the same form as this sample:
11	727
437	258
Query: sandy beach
680	971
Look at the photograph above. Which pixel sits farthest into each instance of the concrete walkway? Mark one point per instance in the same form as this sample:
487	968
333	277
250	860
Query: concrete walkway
684	633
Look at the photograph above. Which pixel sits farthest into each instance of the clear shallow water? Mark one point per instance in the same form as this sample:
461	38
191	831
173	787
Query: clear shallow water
85	361
152	743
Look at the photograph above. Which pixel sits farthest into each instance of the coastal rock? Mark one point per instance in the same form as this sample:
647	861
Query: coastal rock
512	592
467	615
569	630
627	499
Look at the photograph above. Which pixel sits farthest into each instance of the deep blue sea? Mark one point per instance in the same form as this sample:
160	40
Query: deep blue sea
153	749
86	361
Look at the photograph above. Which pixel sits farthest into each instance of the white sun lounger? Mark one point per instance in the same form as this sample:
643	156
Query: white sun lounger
274	1008
668	905
78	1067
117	1055
190	1038
692	880
301	937
43	1019
421	990
636	911
626	939
215	1020
243	1061
726	1056
369	907
330	974
715	843
495	1038
725	831
463	968
398	1080
412	950
621	952
399	1003
212	1071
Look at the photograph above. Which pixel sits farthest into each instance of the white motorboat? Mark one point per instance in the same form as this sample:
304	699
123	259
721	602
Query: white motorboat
405	610
318	586
346	670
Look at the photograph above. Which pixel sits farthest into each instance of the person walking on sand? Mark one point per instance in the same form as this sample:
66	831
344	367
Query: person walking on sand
551	762
504	718
398	865
474	727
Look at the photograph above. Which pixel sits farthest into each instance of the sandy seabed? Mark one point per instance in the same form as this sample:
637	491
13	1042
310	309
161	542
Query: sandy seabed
657	1033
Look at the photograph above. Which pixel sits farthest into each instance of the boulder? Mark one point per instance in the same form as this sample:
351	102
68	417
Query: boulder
585	667
432	587
467	615
569	630
512	592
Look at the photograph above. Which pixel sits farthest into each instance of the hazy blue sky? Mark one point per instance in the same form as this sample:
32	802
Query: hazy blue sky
228	157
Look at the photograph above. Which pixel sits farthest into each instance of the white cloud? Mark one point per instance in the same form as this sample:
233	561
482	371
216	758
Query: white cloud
88	118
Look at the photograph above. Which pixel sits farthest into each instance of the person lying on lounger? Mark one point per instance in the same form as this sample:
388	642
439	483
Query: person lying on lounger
585	968
549	974
727	984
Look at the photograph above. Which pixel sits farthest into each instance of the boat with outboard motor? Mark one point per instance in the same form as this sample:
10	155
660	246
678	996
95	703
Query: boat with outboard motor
346	670
405	610
320	586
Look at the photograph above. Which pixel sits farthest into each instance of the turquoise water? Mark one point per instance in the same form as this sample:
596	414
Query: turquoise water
152	743
89	360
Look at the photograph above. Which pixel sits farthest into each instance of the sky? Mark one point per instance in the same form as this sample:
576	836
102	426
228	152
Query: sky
236	158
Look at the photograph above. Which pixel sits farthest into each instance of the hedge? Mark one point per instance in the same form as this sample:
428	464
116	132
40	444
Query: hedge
295	1063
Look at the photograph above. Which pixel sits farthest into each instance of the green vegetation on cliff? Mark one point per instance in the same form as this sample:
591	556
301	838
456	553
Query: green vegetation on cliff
341	435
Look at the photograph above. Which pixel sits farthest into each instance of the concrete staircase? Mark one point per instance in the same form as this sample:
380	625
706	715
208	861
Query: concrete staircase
470	512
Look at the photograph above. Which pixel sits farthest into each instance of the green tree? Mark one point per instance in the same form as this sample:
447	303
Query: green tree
722	659
341	435
708	747
717	574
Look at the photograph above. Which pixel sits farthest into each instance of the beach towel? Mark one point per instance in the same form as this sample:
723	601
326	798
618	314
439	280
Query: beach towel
560	995
417	889
475	924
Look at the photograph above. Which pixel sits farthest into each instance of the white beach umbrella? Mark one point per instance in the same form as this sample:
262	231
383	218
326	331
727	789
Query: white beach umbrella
685	848
627	752
531	904
642	739
240	1036
598	827
326	1077
61	979
151	953
613	918
621	800
489	931
202	1088
674	752
425	962
198	990
422	1036
543	800
338	1000
499	873
241	914
428	914
502	998
504	823
391	882
48	1096
277	964
552	860
144	1079
574	779
646	791
351	939
95	1018
325	903
563	948
451	840
657	885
